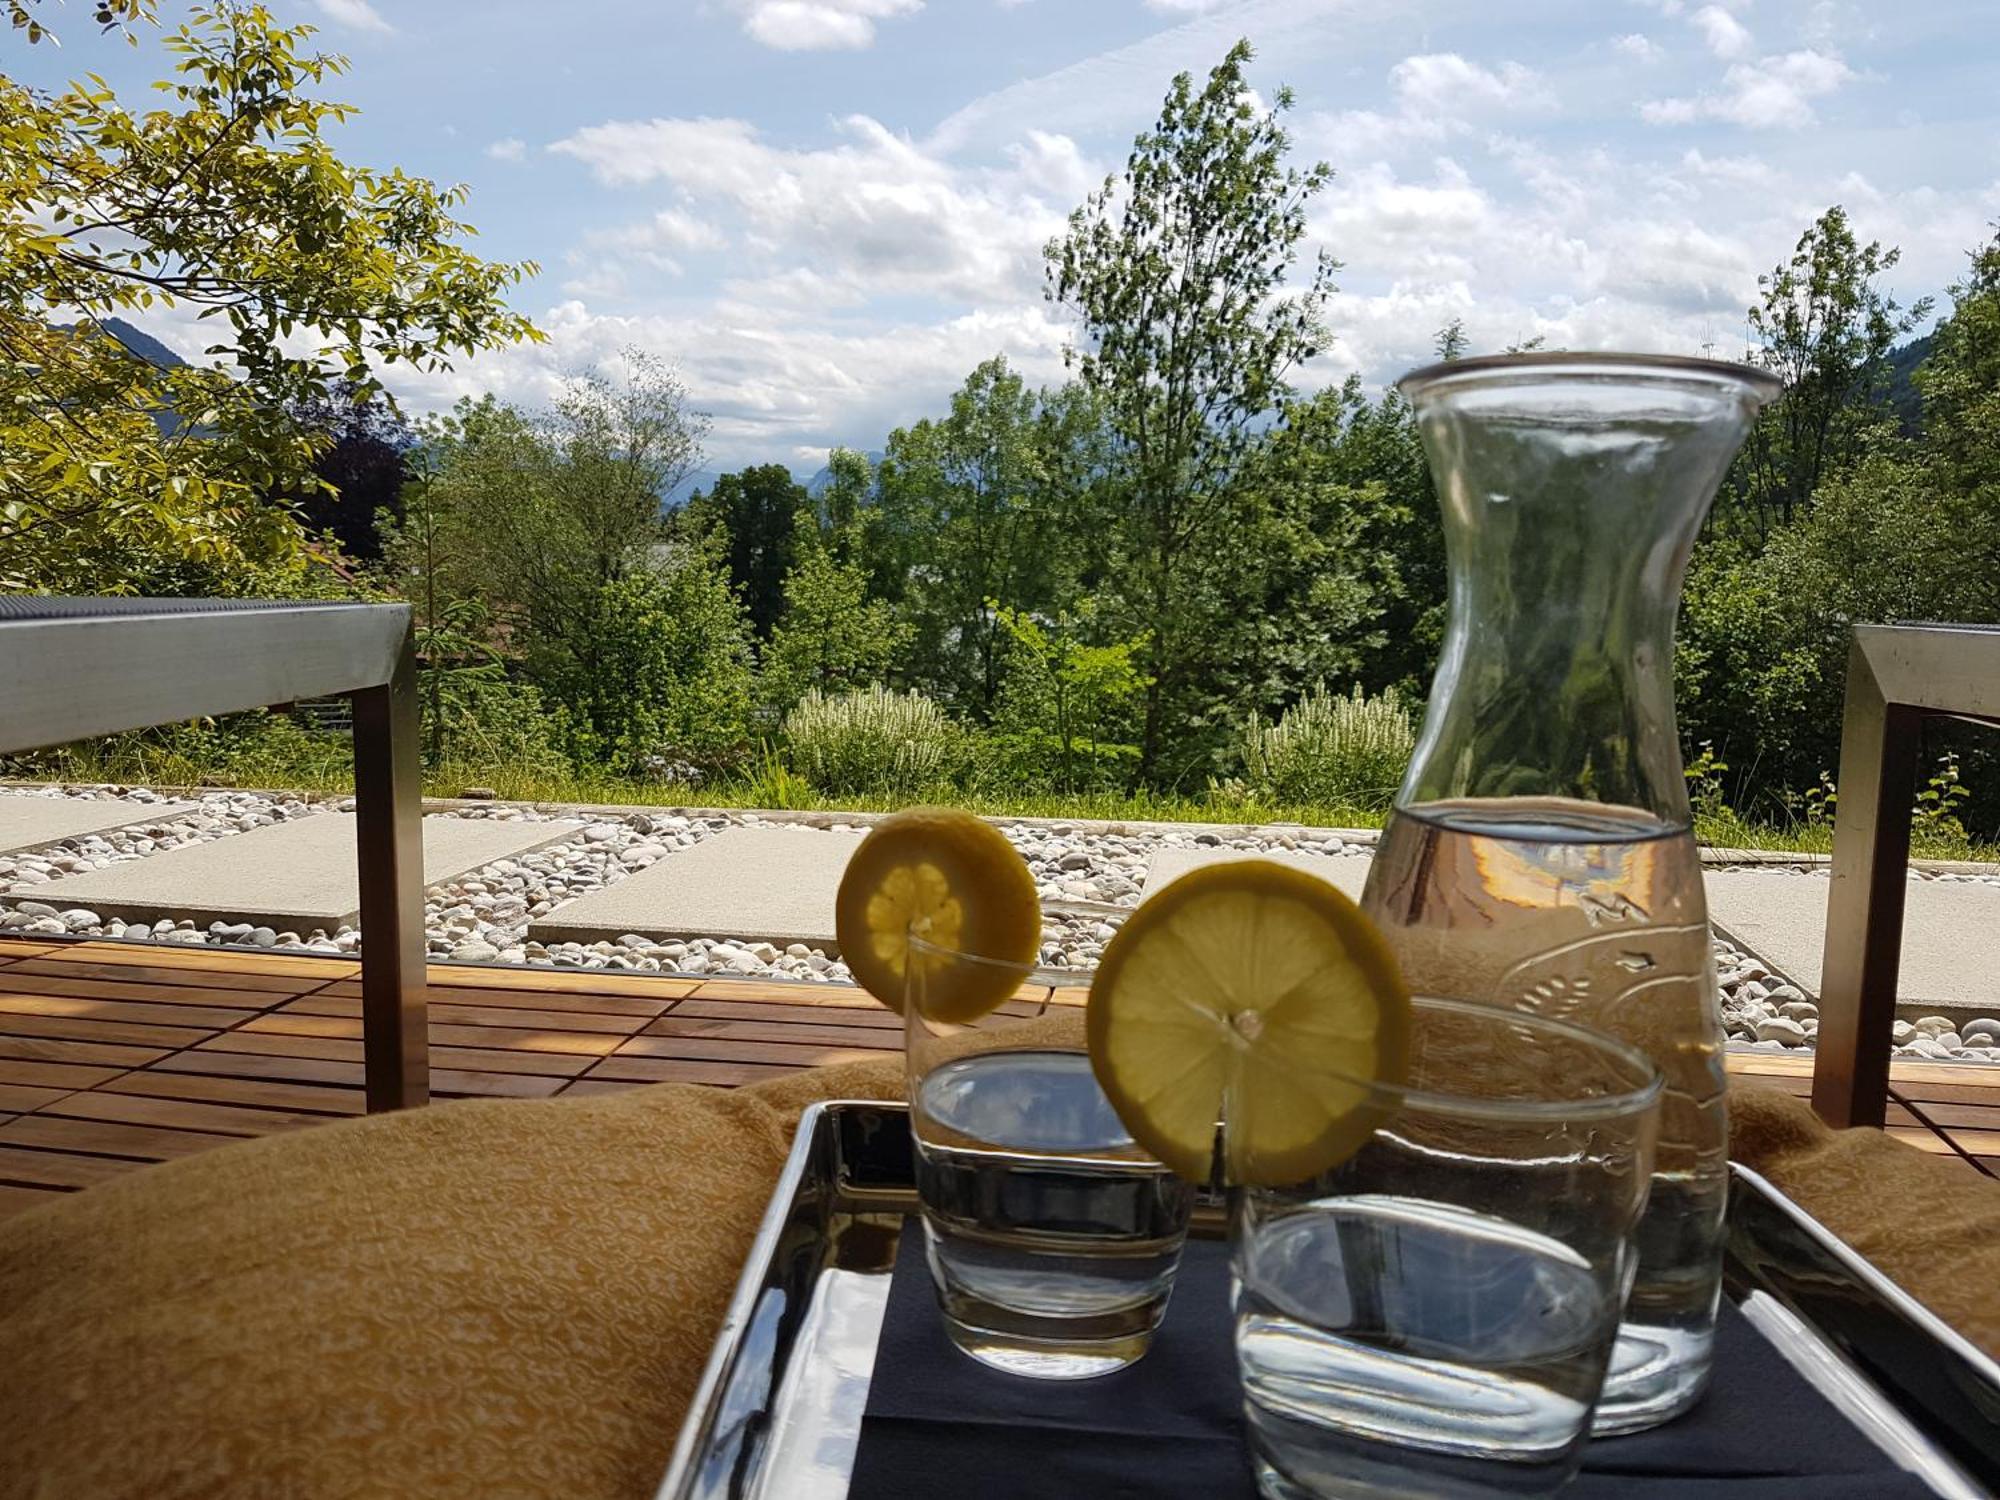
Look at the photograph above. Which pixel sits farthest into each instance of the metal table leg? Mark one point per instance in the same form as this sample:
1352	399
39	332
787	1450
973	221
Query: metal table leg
1864	915
389	834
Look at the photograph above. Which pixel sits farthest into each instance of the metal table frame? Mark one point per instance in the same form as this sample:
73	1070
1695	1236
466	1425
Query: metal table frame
1897	676
71	669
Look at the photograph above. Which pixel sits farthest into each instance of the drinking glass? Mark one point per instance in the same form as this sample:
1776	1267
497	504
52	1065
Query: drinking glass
1435	1316
1052	1238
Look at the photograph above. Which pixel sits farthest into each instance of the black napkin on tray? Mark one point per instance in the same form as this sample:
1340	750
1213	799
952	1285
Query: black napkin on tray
939	1424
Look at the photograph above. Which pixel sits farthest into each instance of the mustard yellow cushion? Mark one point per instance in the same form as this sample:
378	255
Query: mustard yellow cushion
474	1299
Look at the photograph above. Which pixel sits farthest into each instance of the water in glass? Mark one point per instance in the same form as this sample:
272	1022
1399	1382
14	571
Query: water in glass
1594	914
1394	1346
1052	1239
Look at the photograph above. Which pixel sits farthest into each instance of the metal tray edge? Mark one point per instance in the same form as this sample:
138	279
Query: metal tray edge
702	1406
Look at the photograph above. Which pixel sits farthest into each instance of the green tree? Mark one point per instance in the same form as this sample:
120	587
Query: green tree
110	15
228	199
666	689
1066	706
1825	328
548	511
1343	568
1175	273
756	511
1904	531
832	637
965	496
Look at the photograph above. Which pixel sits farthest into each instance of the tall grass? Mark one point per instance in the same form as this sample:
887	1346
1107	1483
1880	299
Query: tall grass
1347	751
872	740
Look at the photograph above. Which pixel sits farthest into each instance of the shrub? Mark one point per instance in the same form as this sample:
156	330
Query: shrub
481	721
871	740
666	679
1331	751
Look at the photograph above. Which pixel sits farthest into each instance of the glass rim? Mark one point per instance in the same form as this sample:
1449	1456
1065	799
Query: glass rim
1640	1096
1723	374
1632	1062
1027	970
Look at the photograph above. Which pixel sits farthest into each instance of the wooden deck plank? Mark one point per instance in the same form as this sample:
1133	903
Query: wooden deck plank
446	1080
89	1029
205	1017
14	982
176	1114
610	983
874	1017
92	1071
683	1070
521	1017
13	1199
137	972
583	1002
59	1050
723	1049
798	993
50	1075
23	1166
21	1098
107	1138
340	1049
777	1031
522	1039
325	1100
316	967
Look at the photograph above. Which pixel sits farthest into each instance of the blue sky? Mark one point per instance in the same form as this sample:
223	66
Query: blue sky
825	212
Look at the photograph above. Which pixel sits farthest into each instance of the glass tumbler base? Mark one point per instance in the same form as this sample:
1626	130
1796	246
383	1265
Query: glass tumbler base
1656	1374
1047	1359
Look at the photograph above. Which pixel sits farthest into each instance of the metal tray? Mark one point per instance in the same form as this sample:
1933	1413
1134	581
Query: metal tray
778	1412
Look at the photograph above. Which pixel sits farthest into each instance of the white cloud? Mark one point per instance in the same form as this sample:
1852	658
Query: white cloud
606	255
874	210
358	14
1119	91
820	288
819	25
1726	36
1773	93
508	148
1443	83
773	384
1187	7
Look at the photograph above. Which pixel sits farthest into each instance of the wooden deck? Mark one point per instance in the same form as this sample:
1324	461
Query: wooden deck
116	1055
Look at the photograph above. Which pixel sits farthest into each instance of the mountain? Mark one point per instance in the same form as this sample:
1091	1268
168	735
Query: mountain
141	343
154	353
700	479
817	485
1902	393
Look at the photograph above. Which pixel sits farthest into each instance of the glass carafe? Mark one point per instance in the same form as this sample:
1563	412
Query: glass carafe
1541	853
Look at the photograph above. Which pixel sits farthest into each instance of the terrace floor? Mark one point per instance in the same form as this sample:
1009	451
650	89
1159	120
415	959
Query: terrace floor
116	1055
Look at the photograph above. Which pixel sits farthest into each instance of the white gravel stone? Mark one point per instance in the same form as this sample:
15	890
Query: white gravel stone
1087	877
1781	1029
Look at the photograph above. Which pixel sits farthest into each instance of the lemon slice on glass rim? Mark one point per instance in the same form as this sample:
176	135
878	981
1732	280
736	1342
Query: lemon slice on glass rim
1253	994
954	882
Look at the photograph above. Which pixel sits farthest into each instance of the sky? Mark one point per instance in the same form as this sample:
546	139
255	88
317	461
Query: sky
825	213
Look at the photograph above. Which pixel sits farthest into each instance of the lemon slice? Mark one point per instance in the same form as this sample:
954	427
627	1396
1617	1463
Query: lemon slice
1253	994
954	881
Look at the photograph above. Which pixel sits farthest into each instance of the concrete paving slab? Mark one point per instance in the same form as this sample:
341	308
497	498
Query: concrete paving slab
28	822
1951	935
1346	871
758	885
293	876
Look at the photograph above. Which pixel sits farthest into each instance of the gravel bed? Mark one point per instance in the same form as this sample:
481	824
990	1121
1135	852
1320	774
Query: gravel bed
1088	879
